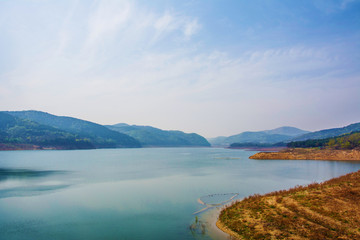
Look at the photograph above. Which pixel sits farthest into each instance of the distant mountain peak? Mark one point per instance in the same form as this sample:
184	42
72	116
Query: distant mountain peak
287	130
268	136
121	125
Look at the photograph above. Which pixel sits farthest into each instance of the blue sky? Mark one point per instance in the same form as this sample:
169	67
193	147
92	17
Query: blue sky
211	67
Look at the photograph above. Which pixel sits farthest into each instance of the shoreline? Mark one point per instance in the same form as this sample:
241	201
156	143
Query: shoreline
211	217
226	230
265	149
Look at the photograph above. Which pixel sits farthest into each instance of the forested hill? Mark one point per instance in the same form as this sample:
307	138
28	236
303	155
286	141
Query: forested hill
346	141
155	137
16	133
98	135
328	133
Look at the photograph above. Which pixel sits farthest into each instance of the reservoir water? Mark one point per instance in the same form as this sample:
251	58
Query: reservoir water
148	193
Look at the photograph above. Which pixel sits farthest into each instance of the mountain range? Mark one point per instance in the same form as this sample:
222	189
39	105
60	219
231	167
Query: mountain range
281	136
44	130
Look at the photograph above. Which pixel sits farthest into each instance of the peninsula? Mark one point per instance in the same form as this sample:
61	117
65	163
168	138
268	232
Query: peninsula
310	154
327	210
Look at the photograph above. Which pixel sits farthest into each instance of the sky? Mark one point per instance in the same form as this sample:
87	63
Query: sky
216	68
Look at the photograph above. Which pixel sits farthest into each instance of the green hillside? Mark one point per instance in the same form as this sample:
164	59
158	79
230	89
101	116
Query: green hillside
328	133
347	141
99	136
150	136
15	131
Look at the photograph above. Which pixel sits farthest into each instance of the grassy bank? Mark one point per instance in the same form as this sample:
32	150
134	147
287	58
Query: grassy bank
328	210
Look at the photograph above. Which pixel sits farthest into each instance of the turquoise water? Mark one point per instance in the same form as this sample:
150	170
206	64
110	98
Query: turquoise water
148	193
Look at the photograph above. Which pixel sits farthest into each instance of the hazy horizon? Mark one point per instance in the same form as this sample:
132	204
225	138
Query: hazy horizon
210	67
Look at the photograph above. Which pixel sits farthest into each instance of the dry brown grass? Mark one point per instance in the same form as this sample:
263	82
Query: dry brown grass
329	210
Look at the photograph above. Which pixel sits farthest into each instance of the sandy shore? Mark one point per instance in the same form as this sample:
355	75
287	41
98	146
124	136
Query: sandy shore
224	229
215	229
211	219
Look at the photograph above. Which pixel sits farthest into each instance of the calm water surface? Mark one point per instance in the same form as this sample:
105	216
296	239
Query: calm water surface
148	193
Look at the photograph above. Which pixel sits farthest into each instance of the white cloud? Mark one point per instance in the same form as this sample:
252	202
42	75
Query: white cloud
191	28
108	18
63	34
158	88
165	23
171	22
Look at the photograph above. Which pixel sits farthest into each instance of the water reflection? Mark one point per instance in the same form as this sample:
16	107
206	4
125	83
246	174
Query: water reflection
26	182
7	173
29	191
